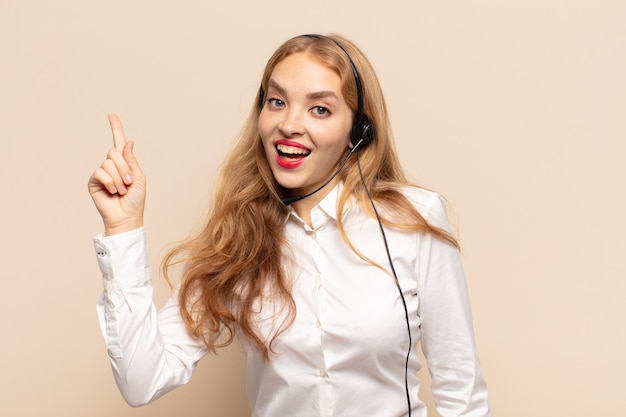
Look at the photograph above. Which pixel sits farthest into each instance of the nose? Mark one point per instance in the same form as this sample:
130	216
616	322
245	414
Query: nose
291	123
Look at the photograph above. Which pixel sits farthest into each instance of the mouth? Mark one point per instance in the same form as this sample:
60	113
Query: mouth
290	154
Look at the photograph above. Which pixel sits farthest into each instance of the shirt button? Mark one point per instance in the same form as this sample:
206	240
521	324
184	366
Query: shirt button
323	374
318	324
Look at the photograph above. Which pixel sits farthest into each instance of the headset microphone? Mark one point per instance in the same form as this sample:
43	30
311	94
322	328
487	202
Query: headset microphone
290	200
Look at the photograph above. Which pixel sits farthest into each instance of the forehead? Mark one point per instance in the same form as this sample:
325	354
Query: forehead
302	71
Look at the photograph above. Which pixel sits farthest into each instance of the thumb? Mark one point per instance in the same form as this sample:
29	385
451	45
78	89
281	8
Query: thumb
131	160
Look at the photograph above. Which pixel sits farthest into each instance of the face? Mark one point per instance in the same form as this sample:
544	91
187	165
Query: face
305	124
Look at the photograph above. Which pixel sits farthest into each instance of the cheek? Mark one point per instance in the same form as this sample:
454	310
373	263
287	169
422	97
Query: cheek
337	142
260	123
331	136
263	129
344	132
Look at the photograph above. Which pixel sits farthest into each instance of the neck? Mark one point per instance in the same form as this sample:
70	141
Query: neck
303	207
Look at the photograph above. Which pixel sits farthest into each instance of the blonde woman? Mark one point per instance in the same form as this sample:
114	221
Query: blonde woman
318	256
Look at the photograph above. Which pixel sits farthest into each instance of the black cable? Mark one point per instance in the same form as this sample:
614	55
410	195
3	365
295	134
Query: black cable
290	200
393	270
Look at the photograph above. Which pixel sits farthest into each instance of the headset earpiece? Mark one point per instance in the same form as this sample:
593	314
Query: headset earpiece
362	129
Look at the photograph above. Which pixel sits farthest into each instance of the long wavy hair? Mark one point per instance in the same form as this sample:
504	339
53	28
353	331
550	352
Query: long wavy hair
237	260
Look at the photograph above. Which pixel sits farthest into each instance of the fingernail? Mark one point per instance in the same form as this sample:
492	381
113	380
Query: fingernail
128	178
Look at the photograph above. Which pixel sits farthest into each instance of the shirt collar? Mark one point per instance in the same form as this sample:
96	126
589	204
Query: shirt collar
328	205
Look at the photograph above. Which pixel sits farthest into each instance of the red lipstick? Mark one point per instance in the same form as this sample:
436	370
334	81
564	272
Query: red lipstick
290	154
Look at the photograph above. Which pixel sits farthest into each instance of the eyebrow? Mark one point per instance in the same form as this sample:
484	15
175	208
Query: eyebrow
315	95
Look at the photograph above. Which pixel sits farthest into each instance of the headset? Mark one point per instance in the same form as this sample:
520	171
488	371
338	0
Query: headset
361	135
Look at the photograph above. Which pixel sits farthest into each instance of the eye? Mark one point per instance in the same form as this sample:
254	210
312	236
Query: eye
275	102
321	111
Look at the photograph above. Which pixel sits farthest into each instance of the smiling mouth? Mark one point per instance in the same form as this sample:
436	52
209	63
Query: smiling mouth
291	152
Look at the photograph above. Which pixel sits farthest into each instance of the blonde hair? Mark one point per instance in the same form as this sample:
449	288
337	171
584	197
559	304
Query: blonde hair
237	258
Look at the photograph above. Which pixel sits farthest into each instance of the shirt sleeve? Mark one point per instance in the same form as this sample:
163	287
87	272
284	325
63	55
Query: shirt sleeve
150	353
447	335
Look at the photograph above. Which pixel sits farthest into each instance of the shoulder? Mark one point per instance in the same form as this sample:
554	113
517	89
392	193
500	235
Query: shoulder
430	204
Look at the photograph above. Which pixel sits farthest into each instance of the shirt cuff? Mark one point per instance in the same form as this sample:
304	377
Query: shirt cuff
123	257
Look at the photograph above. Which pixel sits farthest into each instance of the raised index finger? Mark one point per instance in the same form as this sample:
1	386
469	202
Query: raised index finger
119	139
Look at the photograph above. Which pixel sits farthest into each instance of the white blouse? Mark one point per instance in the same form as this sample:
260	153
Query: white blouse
344	355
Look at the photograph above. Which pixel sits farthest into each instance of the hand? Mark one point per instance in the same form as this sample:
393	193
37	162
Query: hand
118	186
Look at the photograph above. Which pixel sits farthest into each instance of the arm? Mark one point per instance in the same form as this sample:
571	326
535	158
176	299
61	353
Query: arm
150	354
458	385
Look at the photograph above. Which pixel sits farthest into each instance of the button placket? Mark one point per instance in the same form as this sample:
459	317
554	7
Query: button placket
317	282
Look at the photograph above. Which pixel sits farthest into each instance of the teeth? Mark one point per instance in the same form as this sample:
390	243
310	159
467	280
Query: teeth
291	150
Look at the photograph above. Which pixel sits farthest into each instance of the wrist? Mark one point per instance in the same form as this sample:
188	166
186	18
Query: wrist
124	227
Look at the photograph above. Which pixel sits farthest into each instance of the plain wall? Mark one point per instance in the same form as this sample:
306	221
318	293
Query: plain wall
514	110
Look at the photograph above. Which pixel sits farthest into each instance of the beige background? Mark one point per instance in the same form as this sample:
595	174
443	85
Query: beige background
513	109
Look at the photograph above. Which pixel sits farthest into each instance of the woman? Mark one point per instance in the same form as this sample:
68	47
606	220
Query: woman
317	255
